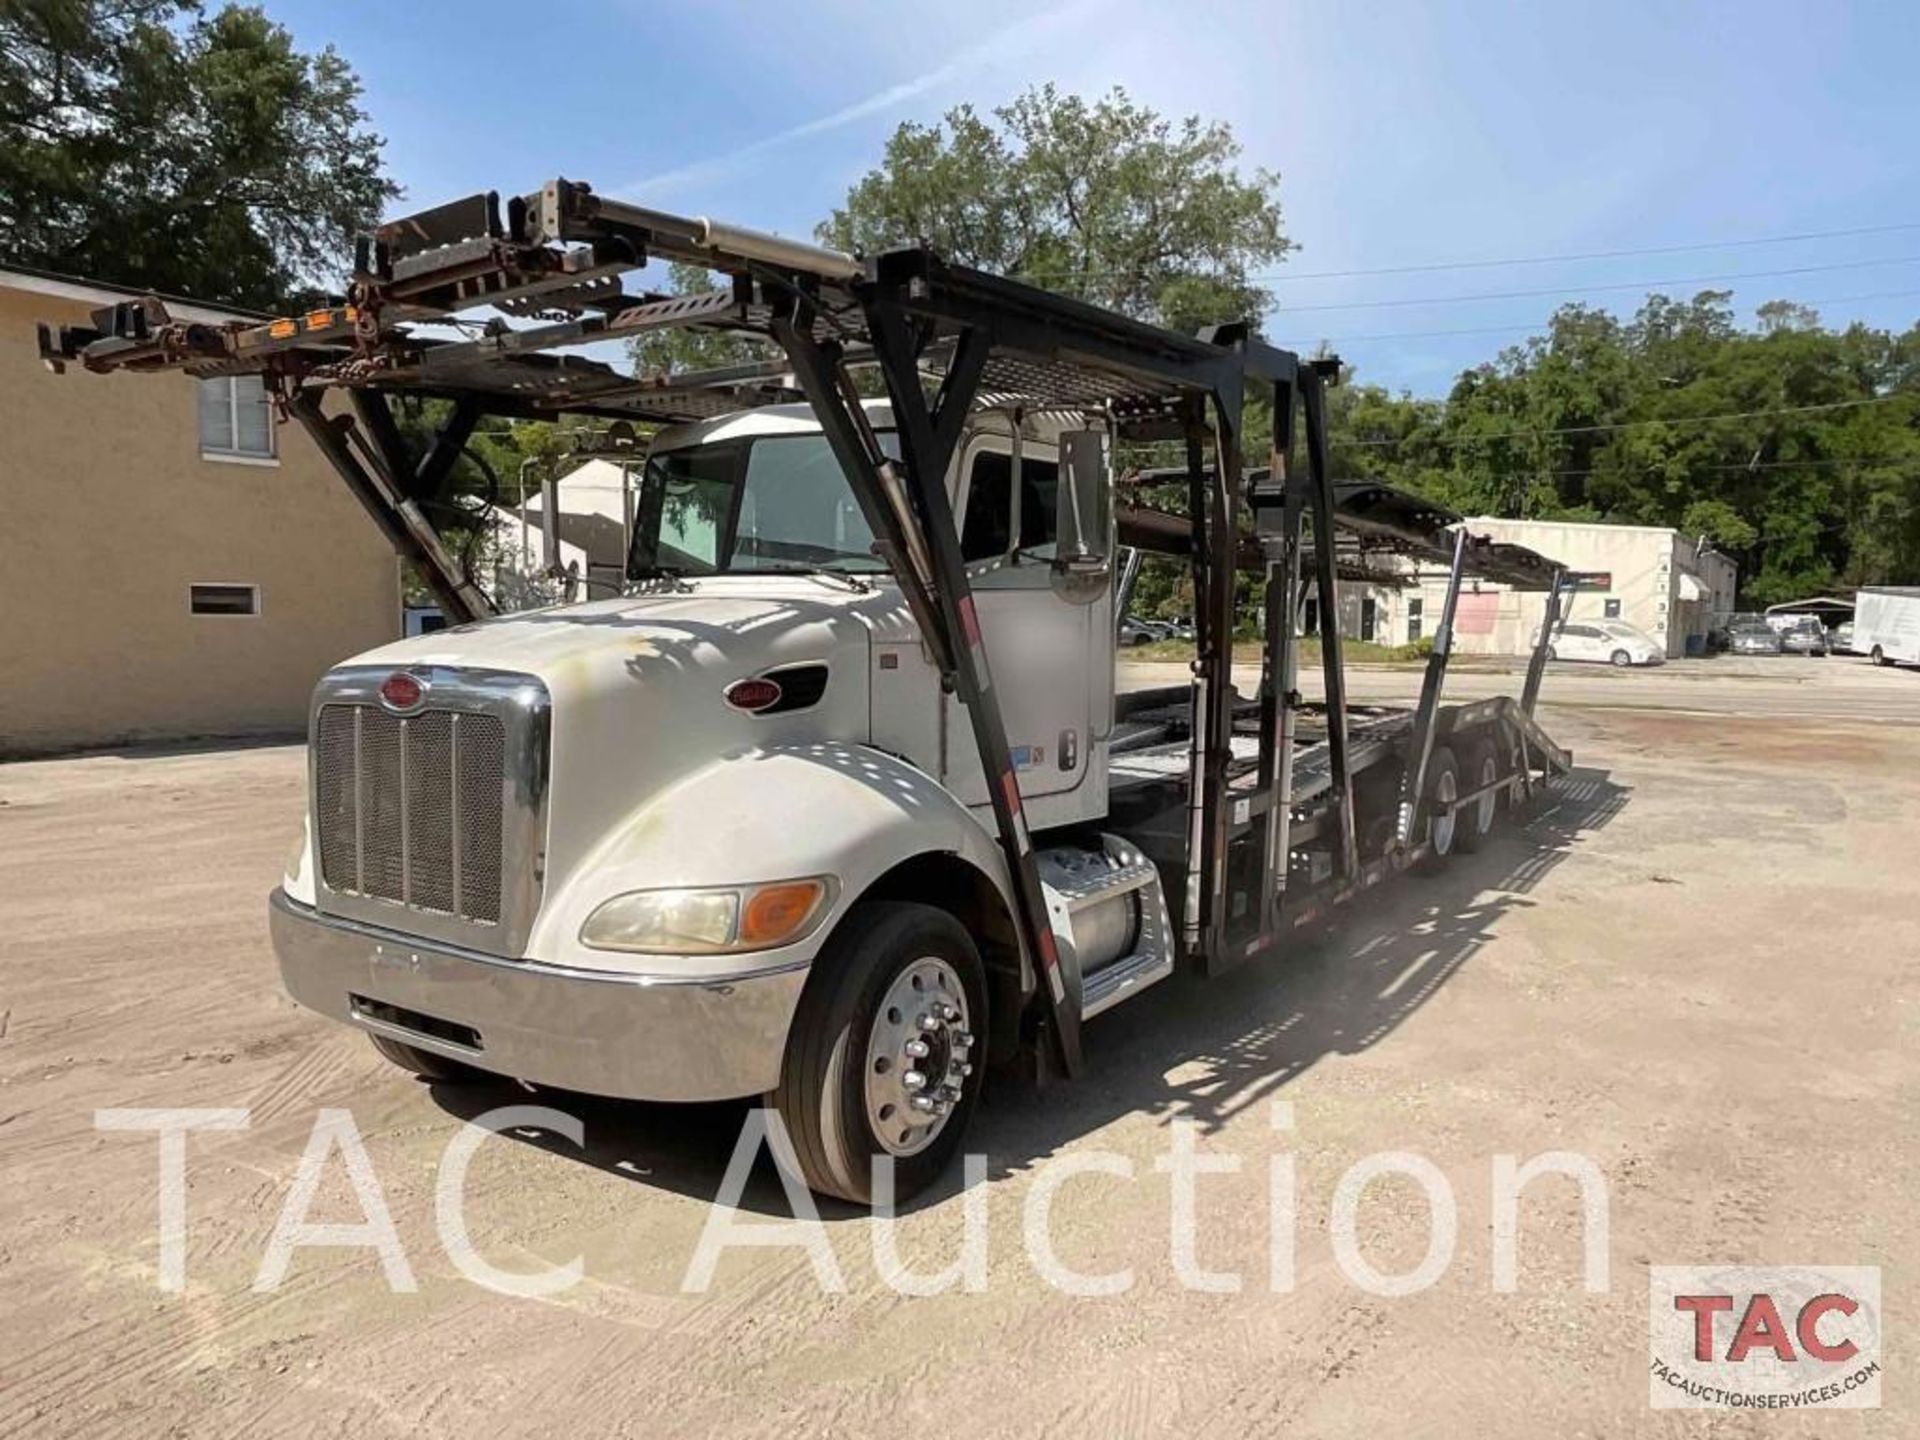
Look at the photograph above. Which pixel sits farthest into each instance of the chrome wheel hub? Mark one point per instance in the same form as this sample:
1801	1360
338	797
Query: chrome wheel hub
1444	793
918	1056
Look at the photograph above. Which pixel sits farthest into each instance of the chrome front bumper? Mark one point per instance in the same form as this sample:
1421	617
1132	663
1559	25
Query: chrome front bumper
638	1037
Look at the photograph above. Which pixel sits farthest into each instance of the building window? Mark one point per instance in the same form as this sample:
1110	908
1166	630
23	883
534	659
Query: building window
1416	609
1612	609
236	420
223	599
1369	615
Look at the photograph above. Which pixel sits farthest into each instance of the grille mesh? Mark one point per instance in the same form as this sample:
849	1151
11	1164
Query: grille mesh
409	809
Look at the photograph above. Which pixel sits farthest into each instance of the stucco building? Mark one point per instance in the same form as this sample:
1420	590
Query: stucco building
1667	584
172	563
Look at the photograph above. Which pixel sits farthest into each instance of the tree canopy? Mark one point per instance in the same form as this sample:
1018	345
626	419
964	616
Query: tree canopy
145	143
1794	447
1104	200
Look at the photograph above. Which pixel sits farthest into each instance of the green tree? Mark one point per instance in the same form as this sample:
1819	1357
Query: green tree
1103	200
145	143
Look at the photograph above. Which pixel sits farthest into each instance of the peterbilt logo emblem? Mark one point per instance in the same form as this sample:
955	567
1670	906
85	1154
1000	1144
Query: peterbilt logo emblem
403	693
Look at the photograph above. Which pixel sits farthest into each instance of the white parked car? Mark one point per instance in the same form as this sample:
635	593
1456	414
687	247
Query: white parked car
1611	642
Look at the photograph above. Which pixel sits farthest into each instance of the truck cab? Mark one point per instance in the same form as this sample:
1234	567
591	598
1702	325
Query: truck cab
604	846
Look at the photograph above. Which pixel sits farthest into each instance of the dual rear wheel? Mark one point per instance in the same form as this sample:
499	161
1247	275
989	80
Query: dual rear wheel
1464	828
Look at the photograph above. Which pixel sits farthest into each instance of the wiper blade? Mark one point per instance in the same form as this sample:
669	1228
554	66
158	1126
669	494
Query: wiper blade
810	567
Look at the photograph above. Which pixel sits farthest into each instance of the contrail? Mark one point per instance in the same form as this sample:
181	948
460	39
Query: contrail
1012	40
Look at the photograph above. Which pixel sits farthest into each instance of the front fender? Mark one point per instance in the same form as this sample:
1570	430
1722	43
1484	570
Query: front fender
779	813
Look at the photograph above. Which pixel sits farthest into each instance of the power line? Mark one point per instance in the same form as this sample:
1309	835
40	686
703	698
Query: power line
1634	424
1438	265
1589	289
1545	324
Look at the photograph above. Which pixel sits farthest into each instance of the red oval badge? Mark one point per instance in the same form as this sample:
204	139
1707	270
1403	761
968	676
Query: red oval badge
401	691
753	695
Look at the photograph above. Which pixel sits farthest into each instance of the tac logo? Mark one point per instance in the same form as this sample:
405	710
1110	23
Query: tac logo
1764	1337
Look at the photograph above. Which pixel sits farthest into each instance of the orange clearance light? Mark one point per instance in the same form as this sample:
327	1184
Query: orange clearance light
753	695
319	319
283	329
775	913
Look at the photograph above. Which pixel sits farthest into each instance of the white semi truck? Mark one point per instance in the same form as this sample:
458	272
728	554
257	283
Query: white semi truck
835	801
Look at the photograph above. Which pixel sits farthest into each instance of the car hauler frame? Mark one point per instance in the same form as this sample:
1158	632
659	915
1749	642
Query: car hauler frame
1260	811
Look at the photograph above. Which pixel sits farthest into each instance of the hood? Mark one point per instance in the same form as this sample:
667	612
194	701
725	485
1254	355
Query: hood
636	684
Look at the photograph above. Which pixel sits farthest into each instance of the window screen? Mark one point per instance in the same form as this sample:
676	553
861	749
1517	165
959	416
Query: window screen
224	600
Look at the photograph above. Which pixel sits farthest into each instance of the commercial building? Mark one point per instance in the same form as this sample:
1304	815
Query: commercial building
1667	584
173	564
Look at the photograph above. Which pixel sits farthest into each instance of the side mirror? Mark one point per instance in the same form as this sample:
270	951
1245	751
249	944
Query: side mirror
1083	530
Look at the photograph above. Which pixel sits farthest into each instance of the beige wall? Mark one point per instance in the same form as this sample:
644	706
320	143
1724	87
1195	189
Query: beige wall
111	514
1645	564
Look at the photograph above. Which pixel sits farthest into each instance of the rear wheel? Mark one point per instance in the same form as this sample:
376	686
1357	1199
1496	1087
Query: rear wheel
881	1058
433	1068
1879	656
1474	823
1443	788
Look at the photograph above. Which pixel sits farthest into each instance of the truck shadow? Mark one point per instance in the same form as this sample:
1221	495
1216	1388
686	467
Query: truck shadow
1200	1050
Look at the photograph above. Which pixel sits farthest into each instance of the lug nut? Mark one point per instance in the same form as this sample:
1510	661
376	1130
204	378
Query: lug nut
960	1068
913	1080
923	1103
916	1049
946	1095
962	1039
949	1014
928	1023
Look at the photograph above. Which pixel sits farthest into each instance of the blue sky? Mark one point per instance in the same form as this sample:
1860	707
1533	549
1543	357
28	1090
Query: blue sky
1405	134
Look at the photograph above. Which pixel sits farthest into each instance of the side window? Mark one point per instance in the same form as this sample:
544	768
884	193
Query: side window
1039	502
986	531
236	418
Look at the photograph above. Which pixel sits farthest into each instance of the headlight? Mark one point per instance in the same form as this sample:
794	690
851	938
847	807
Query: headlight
708	922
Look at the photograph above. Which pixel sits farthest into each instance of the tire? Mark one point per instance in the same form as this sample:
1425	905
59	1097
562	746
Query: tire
1476	822
1552	654
1621	659
1879	656
434	1069
1443	783
823	1095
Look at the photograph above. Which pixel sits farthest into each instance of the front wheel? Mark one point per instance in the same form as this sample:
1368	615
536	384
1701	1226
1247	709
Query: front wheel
883	1057
1879	656
1621	659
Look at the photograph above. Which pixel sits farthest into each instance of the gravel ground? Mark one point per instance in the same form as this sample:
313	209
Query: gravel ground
1694	964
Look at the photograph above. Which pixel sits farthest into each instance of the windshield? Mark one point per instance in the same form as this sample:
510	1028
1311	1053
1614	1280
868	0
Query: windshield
775	502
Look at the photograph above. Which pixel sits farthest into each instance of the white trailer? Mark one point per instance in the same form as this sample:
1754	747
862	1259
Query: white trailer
1886	624
834	800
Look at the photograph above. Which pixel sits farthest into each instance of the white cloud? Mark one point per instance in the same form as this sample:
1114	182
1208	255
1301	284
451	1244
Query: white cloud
1009	43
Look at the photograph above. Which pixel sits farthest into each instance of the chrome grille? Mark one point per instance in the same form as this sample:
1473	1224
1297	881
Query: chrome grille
407	809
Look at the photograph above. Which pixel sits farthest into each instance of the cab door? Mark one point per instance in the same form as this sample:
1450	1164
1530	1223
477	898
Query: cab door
1039	645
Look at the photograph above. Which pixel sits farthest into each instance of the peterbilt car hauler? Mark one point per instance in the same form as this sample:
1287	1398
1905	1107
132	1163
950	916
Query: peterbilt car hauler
835	802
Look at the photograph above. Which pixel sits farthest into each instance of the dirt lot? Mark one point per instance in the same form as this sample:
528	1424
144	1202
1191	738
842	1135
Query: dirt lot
1695	964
